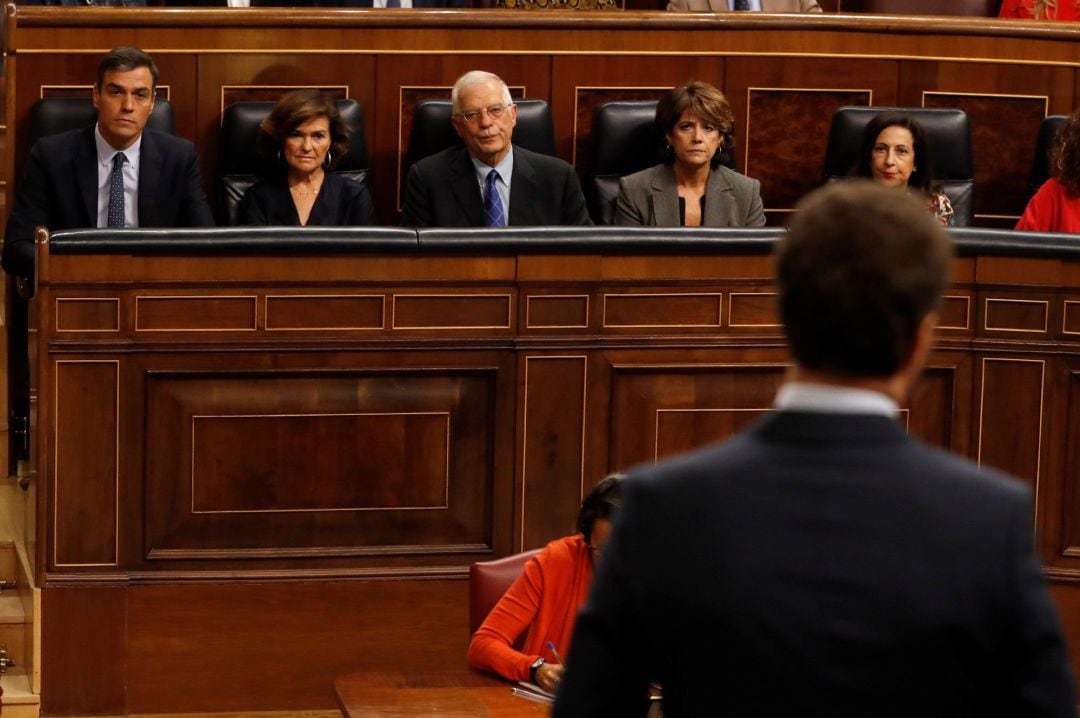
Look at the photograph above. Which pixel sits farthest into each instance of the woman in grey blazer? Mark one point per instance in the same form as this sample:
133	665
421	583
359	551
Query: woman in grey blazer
691	188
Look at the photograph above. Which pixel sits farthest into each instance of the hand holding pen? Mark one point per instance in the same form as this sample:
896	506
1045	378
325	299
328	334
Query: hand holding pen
549	674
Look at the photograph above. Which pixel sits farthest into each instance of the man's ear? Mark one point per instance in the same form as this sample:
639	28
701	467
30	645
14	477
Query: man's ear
95	96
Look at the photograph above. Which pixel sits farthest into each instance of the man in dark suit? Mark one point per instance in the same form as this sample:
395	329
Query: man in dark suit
823	563
71	177
490	182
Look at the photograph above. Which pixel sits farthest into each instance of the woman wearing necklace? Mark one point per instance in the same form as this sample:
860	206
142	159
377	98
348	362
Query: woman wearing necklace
306	133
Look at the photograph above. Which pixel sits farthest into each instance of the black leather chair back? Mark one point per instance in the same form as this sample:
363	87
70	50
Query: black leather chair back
240	165
948	134
624	140
1040	168
53	115
432	131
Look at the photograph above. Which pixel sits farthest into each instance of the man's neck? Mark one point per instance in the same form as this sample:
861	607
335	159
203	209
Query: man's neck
123	145
895	387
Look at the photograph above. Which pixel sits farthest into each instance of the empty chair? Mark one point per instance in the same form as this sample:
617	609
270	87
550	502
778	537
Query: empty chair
432	131
240	165
1040	167
948	136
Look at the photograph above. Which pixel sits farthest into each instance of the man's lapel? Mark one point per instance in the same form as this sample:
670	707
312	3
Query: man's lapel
522	190
466	189
86	173
150	161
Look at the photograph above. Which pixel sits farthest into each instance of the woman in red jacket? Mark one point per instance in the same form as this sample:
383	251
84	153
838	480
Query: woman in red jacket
1041	9
545	599
1056	206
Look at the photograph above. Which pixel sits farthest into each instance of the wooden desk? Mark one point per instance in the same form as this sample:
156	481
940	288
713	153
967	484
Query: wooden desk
450	694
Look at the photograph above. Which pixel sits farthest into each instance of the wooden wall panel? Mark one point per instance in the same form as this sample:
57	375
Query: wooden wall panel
86	479
403	465
83	644
1069	545
552	446
658	409
1010	415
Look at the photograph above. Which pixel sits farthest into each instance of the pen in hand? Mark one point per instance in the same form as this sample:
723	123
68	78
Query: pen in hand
556	653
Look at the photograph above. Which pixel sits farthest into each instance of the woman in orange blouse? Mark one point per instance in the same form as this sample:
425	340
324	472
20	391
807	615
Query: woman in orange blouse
545	599
1041	9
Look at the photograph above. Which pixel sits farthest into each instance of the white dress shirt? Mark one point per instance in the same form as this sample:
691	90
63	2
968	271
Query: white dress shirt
502	185
829	399
755	5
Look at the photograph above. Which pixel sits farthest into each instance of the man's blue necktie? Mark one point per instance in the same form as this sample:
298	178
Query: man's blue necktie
742	5
493	208
116	191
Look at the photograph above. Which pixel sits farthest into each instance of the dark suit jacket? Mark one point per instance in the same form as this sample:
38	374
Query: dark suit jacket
820	565
341	202
650	198
59	190
442	191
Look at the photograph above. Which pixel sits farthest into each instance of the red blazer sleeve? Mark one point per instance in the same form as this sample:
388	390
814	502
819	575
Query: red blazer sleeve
491	648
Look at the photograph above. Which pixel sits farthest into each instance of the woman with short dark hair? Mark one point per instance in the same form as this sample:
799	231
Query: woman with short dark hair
691	188
1056	206
894	153
545	599
306	135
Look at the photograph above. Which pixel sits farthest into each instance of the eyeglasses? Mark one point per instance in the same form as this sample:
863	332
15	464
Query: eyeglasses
472	116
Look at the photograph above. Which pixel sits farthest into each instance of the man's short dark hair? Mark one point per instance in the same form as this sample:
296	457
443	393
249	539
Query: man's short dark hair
600	503
859	269
125	59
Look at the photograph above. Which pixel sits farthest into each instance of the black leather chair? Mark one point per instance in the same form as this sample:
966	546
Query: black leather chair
1040	167
53	115
432	131
624	139
948	133
965	8
240	165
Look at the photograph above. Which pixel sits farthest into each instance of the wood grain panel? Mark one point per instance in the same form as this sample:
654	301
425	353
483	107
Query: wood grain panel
1003	132
1070	505
96	615
1030	316
554	311
300	313
552	447
379	462
784	145
231	470
86	480
955	313
662	310
227	639
753	309
87	315
1010	416
659	410
452	311
931	407
1071	318
195	314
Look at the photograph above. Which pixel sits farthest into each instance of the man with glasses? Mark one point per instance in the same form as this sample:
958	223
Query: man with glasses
490	182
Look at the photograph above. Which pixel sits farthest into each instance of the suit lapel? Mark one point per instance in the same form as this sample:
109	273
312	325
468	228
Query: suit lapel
717	200
86	171
523	187
664	197
149	174
466	189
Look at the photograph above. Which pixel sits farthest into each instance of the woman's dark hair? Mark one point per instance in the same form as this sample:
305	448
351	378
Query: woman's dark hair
922	177
706	102
600	503
293	110
1065	157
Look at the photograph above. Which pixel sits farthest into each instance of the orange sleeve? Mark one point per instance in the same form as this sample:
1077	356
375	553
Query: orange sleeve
1040	211
491	648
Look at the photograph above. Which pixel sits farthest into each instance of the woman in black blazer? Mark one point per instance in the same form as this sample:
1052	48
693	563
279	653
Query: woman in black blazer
305	132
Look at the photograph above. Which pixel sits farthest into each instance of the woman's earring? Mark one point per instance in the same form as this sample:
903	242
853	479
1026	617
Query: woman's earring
327	160
279	156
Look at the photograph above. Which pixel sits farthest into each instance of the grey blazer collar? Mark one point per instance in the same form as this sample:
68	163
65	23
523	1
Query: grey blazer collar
665	197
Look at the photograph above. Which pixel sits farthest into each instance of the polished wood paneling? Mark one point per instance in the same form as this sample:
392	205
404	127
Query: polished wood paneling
557	311
88	315
552	446
446	311
83	644
195	314
663	310
86	479
1010	417
298	313
213	647
291	463
1070	505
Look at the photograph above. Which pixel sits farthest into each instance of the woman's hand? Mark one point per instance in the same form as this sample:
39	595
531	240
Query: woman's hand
548	676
